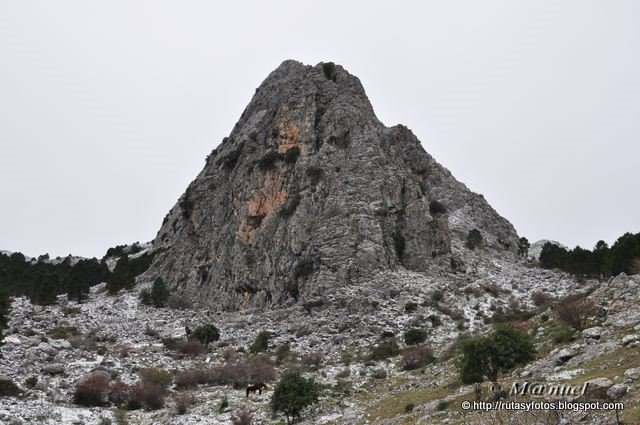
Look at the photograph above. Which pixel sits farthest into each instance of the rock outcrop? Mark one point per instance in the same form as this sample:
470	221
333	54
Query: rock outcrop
311	192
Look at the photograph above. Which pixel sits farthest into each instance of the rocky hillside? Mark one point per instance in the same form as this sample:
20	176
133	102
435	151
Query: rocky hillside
49	350
311	193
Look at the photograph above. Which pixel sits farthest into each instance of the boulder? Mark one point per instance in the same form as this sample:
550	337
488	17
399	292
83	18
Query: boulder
47	349
8	388
598	387
617	391
54	369
632	374
11	339
592	333
60	344
565	354
629	339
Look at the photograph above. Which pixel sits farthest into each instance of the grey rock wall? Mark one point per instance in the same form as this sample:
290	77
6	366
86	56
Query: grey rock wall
310	192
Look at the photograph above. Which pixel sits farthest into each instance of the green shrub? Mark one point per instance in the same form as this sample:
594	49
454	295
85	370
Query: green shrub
501	351
269	159
206	334
261	343
282	353
63	332
159	293
303	269
120	416
523	247
384	350
409	407
145	297
315	174
224	403
415	336
290	206
155	376
437	207
291	155
186	203
379	374
437	296
329	71
399	243
8	388
293	394
410	307
474	239
171	343
31	381
562	334
442	405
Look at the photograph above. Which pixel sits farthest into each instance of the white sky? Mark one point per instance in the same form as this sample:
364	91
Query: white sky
108	108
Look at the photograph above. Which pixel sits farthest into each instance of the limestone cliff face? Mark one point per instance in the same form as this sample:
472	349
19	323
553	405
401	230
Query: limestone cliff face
311	192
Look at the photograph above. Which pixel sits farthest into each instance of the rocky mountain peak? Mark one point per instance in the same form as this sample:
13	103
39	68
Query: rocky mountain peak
310	193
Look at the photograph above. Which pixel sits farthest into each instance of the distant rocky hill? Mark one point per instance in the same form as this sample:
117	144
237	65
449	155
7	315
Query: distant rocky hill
311	192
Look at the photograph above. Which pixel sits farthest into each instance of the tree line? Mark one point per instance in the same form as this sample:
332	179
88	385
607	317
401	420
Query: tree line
603	261
43	281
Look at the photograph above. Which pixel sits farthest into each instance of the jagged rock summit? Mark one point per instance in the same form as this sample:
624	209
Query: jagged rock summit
311	193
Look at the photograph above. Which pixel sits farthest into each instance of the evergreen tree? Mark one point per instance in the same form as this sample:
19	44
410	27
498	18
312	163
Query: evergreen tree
602	258
624	252
293	394
159	293
552	256
5	308
523	247
46	289
206	334
474	239
490	355
261	343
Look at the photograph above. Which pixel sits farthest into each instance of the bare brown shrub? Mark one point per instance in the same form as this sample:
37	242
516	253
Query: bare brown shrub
179	302
238	374
120	393
191	348
416	357
575	311
229	354
150	396
242	416
92	390
312	359
183	401
541	299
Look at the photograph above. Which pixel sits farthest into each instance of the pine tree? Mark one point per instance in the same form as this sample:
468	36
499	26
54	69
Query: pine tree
523	247
159	293
293	394
5	308
474	239
46	289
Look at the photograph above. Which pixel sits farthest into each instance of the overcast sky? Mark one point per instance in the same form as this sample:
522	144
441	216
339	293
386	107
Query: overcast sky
108	108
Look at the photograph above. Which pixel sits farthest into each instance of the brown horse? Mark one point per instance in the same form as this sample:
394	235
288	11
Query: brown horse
256	387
